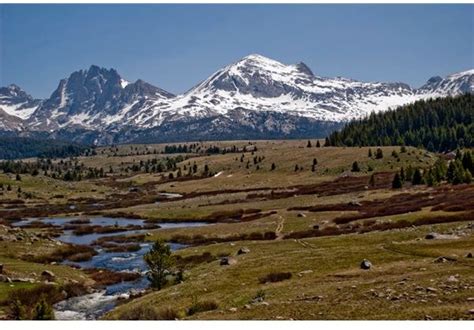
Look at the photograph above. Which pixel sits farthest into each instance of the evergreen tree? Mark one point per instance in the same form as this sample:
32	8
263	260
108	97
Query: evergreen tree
355	167
273	167
159	262
417	177
43	311
370	153
397	181
309	144
372	180
318	145
379	154
441	124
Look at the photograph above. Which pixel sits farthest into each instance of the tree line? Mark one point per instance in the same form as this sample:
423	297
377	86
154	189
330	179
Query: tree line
441	124
24	147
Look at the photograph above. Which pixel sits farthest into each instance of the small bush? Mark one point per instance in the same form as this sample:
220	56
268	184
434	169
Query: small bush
36	302
145	312
202	306
66	252
259	296
275	277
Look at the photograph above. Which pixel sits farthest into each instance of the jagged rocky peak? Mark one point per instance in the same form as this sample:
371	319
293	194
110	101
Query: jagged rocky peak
16	102
14	93
141	86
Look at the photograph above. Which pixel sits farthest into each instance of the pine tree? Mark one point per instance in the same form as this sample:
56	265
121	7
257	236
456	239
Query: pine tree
273	167
372	180
397	181
43	311
417	177
355	167
159	262
318	145
309	144
370	153
379	154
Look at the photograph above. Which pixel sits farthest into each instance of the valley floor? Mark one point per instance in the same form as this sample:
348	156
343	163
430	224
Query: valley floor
302	217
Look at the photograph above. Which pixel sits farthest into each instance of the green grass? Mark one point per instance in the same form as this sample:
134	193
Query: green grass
330	267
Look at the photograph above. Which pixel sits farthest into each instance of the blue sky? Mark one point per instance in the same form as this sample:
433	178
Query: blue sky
176	46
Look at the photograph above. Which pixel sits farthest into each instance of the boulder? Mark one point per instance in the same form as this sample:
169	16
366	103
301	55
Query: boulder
365	264
23	280
243	250
469	255
227	261
431	236
316	227
301	215
48	276
5	279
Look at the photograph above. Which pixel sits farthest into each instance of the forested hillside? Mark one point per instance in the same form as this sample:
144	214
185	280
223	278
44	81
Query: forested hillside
441	124
23	147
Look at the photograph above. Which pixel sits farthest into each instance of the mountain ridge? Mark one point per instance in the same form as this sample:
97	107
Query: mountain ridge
255	94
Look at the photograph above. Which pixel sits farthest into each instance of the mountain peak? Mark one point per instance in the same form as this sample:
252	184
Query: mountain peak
303	68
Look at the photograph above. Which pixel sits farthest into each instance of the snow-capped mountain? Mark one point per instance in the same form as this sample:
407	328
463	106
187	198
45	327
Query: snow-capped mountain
255	97
260	84
461	82
16	102
95	99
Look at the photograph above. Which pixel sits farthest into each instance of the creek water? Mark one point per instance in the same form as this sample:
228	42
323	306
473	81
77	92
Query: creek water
92	306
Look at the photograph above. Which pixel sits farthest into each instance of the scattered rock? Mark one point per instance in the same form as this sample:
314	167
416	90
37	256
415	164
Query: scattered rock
355	203
443	259
23	280
471	311
365	264
309	271
233	309
469	255
470	299
427	317
265	303
430	289
301	215
243	250
431	236
227	261
452	279
48	276
316	227
5	279
247	306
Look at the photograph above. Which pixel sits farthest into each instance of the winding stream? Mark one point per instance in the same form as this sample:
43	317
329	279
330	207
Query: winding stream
92	306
